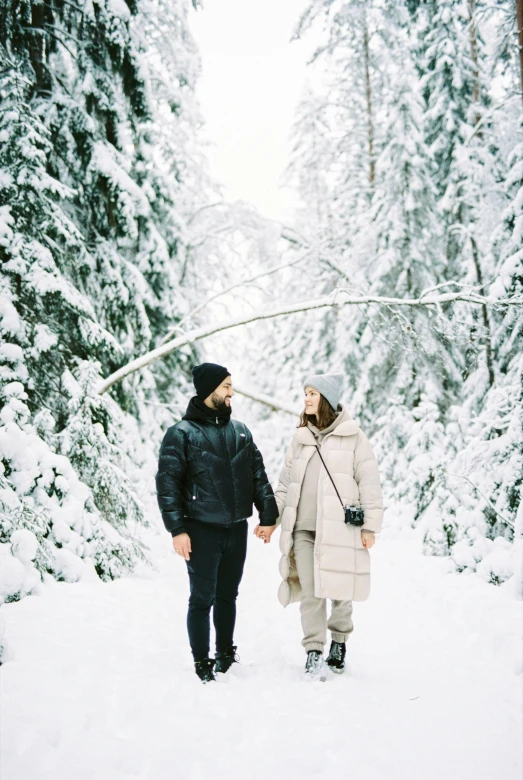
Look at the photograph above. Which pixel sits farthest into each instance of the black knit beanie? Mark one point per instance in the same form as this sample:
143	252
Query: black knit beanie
207	378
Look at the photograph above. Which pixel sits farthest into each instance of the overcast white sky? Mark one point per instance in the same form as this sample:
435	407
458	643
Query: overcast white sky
252	80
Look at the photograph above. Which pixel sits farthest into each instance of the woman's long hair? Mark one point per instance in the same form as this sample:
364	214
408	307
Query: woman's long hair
325	417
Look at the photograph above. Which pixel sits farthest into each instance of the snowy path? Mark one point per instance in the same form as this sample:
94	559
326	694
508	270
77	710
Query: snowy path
101	684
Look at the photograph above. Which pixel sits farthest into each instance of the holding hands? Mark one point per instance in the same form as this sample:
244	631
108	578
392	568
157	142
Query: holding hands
264	532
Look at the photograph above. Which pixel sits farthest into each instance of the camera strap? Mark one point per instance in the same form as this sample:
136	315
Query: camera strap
331	479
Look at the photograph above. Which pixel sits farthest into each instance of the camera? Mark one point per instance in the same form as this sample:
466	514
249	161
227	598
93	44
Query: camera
354	515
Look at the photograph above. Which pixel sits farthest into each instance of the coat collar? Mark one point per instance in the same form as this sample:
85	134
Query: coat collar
346	428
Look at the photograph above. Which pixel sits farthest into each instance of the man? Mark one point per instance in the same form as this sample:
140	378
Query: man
209	474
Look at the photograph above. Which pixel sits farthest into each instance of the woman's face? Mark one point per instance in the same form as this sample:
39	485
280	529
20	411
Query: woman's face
312	400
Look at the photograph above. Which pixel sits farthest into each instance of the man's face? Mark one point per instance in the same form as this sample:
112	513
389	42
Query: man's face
221	398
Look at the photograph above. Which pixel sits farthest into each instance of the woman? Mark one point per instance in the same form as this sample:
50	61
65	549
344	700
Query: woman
323	556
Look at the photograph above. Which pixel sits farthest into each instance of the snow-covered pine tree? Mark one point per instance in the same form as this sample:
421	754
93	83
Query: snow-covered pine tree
39	332
474	513
92	230
409	358
453	63
473	137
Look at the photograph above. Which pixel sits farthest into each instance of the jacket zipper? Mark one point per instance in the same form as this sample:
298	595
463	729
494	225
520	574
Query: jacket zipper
222	434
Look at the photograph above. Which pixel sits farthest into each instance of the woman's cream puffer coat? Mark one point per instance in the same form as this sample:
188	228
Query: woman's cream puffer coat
341	563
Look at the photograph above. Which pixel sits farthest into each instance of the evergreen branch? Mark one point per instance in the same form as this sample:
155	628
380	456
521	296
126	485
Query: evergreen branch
505	520
485	9
46	31
53	35
320	303
66	2
49	27
488	115
43	402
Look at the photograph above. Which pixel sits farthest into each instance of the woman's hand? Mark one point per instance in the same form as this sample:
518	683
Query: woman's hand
368	539
265	532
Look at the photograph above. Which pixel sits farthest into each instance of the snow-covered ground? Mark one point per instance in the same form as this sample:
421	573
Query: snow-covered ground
100	684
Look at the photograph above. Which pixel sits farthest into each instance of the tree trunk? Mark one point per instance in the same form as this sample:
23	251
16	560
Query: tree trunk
519	15
486	319
38	48
368	90
473	36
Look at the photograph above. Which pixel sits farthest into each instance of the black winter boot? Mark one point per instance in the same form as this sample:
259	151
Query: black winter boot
336	657
225	660
314	664
205	670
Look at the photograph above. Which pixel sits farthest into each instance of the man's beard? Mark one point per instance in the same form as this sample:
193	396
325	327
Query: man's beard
219	403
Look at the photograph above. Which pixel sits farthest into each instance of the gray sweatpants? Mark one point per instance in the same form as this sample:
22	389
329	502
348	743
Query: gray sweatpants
314	610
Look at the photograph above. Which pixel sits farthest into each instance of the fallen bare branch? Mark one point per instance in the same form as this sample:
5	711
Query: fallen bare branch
273	403
197	334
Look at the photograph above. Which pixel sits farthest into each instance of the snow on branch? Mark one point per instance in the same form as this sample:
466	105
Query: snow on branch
273	403
338	298
505	520
242	283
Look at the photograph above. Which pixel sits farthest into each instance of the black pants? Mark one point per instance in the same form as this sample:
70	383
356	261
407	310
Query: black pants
215	571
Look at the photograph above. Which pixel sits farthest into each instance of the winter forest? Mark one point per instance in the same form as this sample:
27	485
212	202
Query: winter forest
123	266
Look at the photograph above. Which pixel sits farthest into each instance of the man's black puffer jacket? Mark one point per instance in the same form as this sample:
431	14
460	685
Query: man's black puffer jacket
210	470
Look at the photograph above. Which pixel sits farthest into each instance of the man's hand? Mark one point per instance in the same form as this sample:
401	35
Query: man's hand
182	545
265	532
368	539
